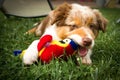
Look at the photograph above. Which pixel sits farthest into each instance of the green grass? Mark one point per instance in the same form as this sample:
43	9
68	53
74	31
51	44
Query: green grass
106	53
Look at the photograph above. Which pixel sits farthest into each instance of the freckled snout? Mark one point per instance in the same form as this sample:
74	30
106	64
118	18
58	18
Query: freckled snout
87	41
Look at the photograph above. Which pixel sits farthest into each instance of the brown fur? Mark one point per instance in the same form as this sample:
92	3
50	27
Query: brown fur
100	25
101	21
45	24
62	31
59	16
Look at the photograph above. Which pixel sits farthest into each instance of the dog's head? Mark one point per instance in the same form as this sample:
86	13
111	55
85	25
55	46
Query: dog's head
80	23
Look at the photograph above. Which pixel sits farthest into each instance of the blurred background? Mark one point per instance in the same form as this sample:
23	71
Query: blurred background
35	8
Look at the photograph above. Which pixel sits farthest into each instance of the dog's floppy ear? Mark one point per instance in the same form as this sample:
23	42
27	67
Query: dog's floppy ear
57	16
60	14
101	21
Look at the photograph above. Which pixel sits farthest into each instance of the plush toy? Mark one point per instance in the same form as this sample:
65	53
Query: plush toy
49	48
46	48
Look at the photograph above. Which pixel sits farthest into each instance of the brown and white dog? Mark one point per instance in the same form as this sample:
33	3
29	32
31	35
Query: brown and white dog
74	21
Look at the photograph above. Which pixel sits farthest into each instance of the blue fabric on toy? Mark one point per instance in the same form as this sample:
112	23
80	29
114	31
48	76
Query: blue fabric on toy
74	45
17	52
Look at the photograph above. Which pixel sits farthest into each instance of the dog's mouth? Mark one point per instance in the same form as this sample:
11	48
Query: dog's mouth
82	51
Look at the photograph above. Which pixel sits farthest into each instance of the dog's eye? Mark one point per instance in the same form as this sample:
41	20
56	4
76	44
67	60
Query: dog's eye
94	28
74	26
91	26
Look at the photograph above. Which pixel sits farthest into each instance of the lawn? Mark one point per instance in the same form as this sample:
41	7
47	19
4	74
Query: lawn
106	53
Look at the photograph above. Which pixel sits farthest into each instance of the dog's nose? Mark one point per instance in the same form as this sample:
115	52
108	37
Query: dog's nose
87	41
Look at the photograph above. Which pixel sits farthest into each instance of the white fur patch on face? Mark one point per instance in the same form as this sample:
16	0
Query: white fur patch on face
89	35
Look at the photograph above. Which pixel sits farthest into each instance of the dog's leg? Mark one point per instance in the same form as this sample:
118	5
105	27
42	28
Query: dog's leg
31	31
42	26
39	30
87	59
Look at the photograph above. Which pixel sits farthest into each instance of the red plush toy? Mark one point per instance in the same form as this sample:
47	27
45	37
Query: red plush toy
49	48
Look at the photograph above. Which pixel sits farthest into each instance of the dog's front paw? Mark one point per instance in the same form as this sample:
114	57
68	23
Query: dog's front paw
87	61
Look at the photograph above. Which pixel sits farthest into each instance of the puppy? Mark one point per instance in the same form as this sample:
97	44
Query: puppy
74	21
